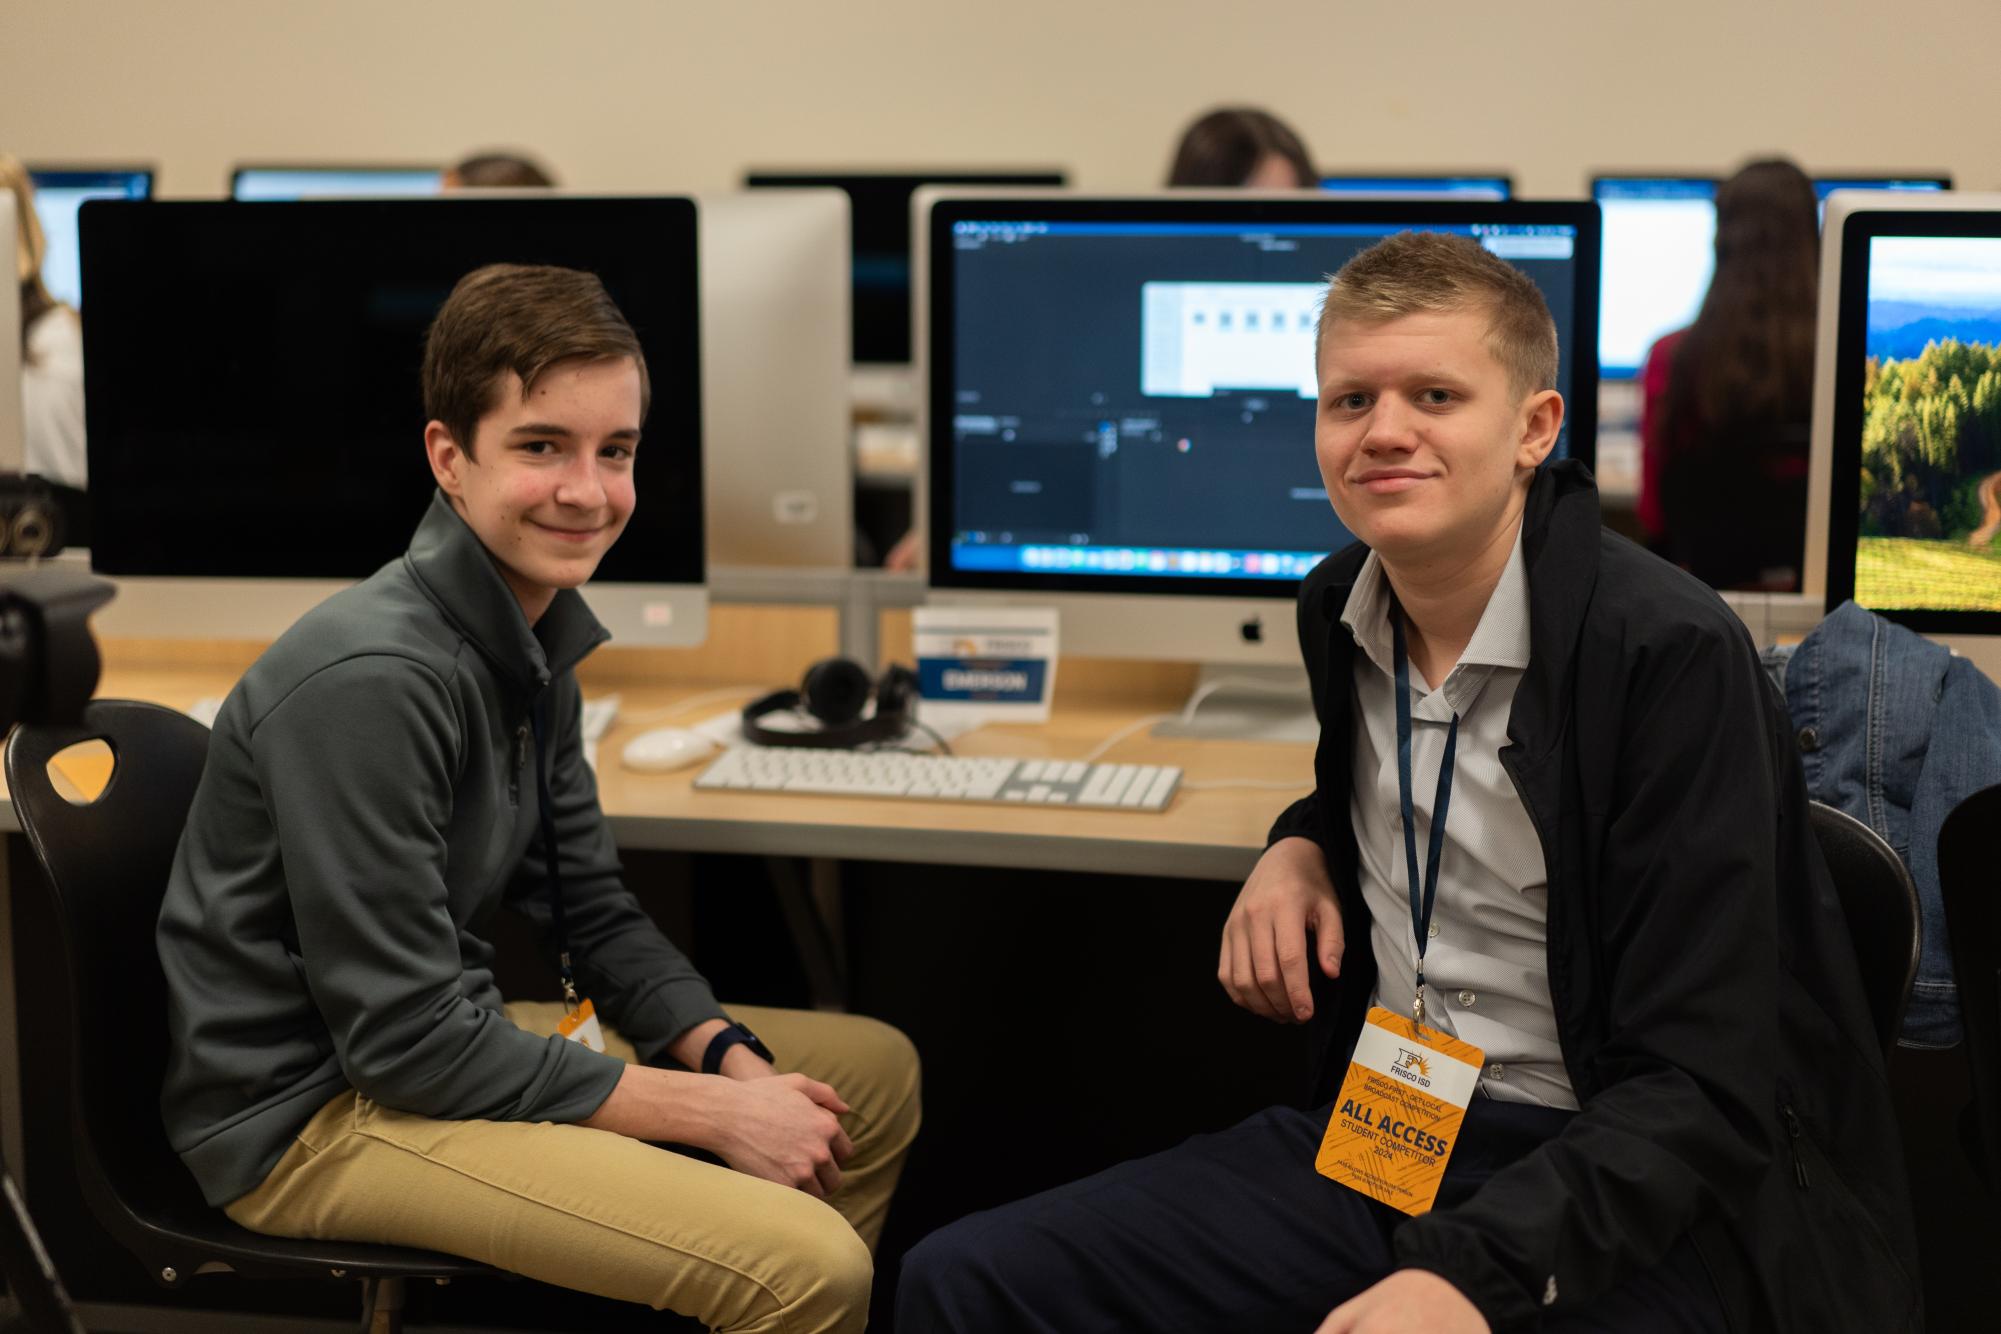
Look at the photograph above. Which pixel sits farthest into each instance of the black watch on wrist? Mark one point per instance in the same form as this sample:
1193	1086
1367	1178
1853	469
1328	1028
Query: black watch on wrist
733	1034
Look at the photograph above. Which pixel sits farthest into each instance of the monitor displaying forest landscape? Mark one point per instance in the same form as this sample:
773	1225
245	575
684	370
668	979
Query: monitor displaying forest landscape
1931	435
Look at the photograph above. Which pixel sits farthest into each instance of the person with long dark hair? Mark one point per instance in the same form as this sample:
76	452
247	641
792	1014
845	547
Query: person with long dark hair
51	339
1724	421
1234	146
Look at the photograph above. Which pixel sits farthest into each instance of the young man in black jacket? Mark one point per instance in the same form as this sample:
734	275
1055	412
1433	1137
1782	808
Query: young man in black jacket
1676	1116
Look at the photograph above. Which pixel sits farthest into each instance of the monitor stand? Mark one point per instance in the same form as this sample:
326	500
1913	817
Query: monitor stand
1246	704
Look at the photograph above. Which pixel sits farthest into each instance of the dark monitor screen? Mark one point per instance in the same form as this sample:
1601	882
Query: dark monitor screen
1915	489
880	234
1123	392
1474	185
252	415
333	182
59	193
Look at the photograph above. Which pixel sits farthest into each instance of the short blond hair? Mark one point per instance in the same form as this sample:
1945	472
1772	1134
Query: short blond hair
1414	272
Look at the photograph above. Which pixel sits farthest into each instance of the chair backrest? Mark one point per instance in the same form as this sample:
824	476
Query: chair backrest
107	865
1969	877
1880	901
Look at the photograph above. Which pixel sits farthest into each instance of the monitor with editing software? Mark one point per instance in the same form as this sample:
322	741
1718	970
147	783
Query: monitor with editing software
880	228
1906	510
1660	250
1476	185
59	193
256	424
1122	396
333	181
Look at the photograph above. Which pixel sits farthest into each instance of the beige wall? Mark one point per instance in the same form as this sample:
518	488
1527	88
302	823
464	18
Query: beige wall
655	95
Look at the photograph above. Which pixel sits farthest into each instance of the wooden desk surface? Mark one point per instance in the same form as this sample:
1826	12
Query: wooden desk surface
1203	834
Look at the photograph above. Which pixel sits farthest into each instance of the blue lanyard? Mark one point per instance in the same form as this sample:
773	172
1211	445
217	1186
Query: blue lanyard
1420	907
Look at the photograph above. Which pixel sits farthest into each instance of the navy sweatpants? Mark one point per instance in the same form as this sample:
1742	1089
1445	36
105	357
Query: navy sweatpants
1232	1232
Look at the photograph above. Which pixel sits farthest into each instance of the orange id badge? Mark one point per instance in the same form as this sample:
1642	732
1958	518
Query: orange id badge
1397	1118
581	1025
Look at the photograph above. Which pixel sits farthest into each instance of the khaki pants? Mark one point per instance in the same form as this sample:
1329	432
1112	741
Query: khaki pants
601	1213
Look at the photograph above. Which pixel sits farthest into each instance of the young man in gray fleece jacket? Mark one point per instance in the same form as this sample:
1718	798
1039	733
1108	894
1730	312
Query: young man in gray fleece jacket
394	770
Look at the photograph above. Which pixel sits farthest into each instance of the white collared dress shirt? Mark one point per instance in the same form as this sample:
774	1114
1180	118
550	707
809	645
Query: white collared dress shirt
1486	964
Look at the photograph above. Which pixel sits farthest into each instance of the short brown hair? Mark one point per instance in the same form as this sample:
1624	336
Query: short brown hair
1435	271
523	318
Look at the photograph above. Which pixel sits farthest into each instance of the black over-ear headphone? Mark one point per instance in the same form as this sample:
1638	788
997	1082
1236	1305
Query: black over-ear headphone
835	692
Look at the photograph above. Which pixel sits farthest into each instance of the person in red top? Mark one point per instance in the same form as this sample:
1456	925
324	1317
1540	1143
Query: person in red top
1723	425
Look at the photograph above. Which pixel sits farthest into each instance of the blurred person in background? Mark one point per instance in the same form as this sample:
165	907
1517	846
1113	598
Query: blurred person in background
1242	146
498	171
1723	423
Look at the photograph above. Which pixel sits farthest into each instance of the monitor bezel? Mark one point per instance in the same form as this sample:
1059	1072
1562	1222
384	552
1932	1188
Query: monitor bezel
1302	206
236	174
1322	175
1851	354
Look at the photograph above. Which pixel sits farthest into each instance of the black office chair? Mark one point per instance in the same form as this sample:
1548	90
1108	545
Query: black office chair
1880	901
1969	876
107	865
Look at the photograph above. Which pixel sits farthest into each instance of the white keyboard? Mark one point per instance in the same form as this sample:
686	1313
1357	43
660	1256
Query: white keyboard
849	773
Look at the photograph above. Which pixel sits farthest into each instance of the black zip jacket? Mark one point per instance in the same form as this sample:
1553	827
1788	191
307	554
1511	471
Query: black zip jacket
1705	986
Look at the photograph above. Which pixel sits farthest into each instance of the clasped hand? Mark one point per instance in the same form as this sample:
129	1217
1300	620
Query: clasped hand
784	1127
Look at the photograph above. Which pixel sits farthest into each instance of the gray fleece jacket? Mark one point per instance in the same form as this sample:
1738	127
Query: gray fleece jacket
367	806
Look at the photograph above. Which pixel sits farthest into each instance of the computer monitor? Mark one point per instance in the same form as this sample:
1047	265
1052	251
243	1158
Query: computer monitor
1907	182
255	424
333	182
1905	505
13	426
1122	396
59	193
1660	249
778	465
880	228
1477	185
1660	246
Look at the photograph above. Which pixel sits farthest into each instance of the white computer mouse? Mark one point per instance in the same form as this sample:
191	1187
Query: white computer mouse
664	749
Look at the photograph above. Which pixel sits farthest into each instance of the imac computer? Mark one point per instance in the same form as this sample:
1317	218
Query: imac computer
1475	185
1905	507
777	463
255	424
13	426
333	182
1122	395
59	193
1660	249
880	229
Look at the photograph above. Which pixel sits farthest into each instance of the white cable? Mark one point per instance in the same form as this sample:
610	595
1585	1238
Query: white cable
1248	783
1123	733
692	702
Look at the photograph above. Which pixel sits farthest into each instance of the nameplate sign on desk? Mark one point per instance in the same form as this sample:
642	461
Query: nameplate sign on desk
979	665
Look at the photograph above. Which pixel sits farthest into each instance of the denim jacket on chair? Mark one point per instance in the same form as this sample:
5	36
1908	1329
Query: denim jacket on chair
1896	731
